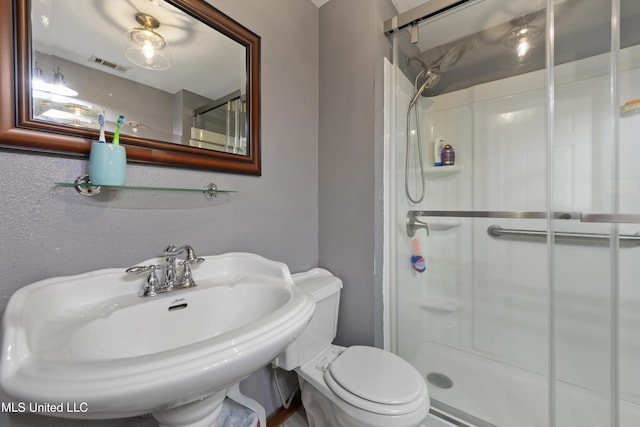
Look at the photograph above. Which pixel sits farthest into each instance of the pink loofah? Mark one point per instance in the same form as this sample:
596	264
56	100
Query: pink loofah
418	263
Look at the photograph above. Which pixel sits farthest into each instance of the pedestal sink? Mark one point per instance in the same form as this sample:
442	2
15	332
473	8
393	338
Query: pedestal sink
91	346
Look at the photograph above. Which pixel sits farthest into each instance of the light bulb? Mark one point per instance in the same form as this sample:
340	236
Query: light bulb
148	52
522	48
145	47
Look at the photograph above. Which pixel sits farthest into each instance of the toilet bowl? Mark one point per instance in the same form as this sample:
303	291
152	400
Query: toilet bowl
355	386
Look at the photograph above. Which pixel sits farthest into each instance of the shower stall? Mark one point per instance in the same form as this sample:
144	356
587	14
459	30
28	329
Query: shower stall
528	311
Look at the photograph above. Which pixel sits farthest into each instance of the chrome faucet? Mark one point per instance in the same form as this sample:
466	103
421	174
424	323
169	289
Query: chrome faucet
169	268
168	281
186	278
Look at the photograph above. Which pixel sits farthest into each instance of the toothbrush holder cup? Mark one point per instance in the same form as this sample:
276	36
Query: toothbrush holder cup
107	164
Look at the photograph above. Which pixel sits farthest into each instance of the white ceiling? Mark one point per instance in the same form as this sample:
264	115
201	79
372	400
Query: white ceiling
319	3
404	5
401	5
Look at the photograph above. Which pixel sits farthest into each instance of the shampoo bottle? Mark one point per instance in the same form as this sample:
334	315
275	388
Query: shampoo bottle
438	145
448	155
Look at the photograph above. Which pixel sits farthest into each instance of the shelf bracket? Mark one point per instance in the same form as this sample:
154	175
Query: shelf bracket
84	187
210	190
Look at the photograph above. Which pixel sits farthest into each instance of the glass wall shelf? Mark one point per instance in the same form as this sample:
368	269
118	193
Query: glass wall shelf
143	197
83	185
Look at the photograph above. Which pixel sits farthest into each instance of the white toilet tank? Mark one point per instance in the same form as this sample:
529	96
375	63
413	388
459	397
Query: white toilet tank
324	288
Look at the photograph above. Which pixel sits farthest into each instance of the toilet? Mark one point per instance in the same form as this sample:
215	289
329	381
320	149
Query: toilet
355	386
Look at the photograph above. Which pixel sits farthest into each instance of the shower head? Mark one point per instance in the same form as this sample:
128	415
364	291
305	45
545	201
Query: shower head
422	62
443	63
432	77
432	73
452	56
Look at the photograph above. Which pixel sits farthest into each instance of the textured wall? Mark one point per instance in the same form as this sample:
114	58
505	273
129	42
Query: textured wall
49	232
352	47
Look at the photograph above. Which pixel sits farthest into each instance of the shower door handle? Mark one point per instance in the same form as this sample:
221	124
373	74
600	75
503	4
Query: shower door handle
610	218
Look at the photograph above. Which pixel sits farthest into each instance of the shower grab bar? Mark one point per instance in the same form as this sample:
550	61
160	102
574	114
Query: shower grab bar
626	240
412	223
583	217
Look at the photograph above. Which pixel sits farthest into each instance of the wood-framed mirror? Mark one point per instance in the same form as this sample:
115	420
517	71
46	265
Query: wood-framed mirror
196	104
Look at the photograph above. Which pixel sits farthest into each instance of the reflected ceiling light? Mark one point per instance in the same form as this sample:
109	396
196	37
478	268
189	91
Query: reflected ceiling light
521	40
59	99
135	126
146	48
57	87
44	19
69	116
36	73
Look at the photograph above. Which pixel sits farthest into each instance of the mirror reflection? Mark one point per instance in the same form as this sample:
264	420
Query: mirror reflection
174	78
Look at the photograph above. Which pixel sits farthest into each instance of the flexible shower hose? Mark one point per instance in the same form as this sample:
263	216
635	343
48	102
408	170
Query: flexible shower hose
413	107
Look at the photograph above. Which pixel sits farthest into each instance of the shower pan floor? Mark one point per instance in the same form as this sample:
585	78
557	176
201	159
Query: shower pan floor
505	396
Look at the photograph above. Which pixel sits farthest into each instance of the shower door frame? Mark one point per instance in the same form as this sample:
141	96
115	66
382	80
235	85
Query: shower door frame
614	217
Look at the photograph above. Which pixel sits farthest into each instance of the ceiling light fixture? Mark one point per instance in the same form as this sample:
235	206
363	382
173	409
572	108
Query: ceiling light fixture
145	47
521	40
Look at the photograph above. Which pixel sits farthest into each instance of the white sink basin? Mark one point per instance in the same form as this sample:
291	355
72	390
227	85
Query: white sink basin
91	339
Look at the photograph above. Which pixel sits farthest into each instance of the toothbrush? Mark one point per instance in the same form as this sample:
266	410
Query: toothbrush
102	138
116	134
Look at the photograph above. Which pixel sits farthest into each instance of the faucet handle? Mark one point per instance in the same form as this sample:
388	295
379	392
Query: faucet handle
186	281
152	284
191	257
137	269
192	261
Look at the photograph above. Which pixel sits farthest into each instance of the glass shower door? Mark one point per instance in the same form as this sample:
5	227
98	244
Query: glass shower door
595	326
527	313
475	323
627	338
582	170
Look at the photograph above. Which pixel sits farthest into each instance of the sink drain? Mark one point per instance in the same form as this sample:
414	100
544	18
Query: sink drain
439	380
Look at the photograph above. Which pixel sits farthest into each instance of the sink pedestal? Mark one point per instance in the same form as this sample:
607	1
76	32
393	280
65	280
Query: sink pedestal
201	413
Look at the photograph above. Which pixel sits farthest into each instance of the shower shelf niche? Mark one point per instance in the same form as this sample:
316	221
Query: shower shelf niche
439	172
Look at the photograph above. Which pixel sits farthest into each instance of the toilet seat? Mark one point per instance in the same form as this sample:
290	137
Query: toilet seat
376	381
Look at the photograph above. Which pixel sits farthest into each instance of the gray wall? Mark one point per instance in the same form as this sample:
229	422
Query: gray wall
318	202
350	149
47	233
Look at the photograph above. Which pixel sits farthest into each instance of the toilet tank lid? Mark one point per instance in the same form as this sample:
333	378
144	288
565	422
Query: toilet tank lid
318	282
